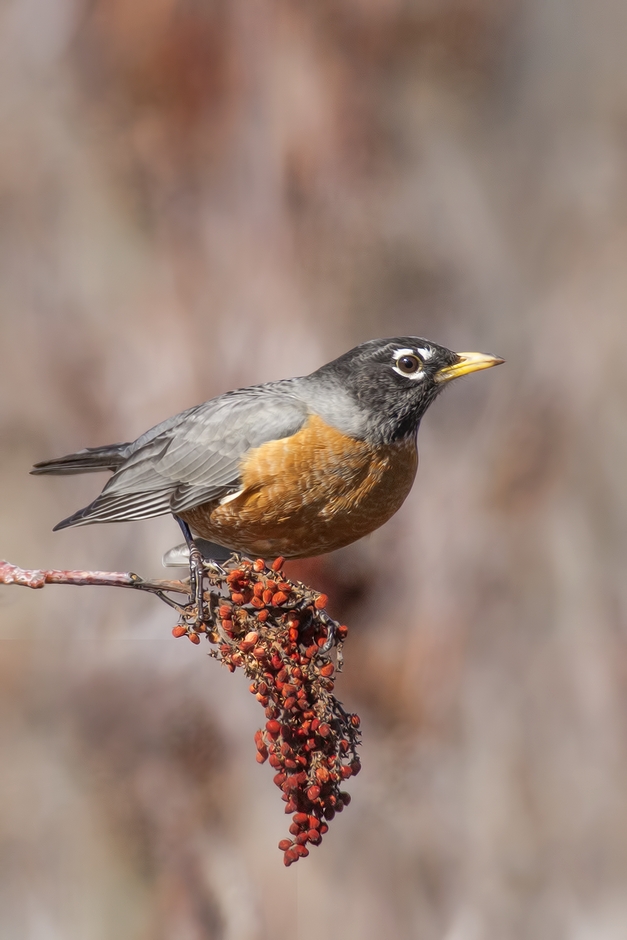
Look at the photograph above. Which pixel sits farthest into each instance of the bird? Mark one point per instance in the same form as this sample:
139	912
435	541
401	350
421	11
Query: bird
292	468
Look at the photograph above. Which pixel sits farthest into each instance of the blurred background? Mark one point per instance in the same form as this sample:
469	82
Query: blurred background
200	195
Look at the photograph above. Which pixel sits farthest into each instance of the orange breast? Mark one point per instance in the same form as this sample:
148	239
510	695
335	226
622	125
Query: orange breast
309	494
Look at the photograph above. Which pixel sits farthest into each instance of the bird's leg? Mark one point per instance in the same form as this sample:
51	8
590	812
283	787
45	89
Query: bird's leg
196	570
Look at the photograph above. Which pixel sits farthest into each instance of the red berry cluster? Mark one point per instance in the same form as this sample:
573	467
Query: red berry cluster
280	634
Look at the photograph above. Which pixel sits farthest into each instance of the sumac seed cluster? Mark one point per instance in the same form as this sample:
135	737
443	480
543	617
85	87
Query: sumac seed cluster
279	633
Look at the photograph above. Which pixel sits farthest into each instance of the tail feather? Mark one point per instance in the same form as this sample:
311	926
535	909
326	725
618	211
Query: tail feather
90	460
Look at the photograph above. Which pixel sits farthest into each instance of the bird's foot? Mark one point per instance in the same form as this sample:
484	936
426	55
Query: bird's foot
196	585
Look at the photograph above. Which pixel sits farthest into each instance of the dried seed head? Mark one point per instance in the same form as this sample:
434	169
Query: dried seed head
307	736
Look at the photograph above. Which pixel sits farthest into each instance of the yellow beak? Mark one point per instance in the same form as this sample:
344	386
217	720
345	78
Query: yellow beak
467	362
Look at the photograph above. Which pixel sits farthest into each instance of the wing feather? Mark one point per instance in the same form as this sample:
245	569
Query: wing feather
196	456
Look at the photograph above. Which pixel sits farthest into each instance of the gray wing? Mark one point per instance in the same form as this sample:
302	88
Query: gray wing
194	457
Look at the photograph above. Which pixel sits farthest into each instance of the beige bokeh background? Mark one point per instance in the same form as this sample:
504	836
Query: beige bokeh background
196	196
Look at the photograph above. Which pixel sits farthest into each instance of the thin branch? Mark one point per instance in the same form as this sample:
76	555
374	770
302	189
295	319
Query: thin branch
38	578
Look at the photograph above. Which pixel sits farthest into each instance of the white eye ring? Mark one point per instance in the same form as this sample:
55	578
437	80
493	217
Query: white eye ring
411	367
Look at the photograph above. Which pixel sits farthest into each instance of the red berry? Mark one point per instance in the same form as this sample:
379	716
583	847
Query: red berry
262	756
321	601
327	670
277	564
179	630
279	598
237	598
314	836
313	793
290	856
301	819
273	727
301	850
285	844
194	638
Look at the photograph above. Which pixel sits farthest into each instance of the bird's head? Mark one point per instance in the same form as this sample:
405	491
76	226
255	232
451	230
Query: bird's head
393	381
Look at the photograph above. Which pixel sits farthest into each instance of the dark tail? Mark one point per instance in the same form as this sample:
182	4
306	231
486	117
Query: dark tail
89	460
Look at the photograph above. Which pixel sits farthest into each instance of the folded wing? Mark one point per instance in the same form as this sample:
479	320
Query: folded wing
194	457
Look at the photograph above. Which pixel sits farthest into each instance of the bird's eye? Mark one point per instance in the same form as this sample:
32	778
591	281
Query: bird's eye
408	365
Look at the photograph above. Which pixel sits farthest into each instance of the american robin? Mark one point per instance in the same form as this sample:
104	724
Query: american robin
295	468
